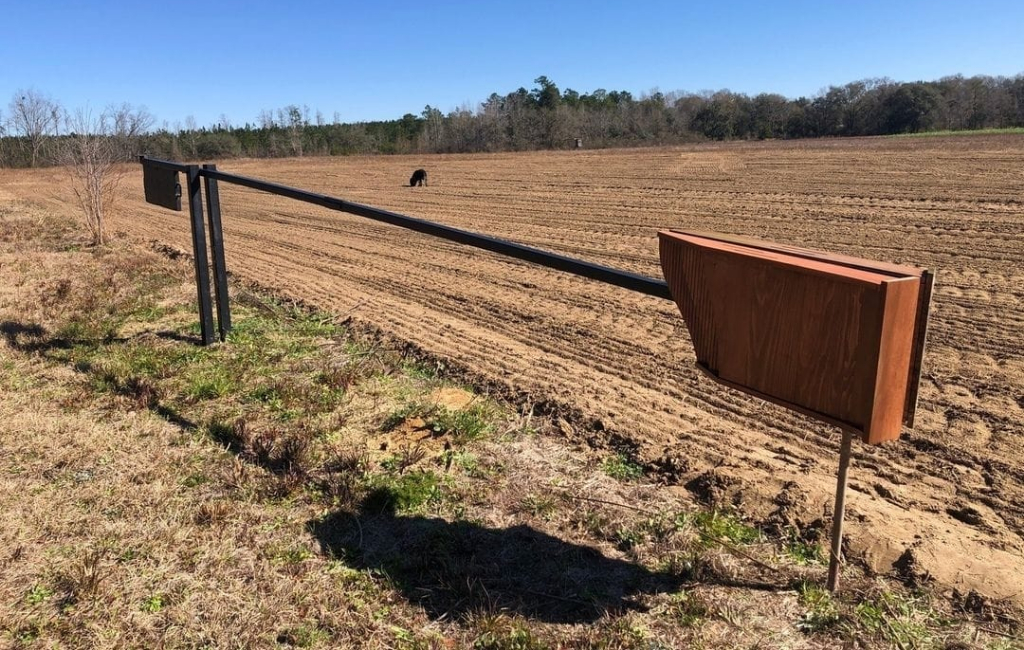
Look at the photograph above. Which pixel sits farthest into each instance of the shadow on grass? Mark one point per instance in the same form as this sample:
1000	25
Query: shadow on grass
193	339
33	338
172	415
455	568
27	338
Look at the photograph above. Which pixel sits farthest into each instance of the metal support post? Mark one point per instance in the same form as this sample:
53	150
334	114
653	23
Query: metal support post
835	556
195	208
220	276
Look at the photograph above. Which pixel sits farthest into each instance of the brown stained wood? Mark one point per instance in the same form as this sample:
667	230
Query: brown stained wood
830	336
898	270
924	302
895	358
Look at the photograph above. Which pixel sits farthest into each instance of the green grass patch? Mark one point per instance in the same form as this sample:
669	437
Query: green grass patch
540	505
716	525
306	635
273	394
501	632
803	553
38	594
422	370
208	382
266	394
103	329
639	532
290	554
622	467
195	480
903	621
315	325
403	492
821	609
405	412
250	329
119	362
463	425
28	632
688	609
154	604
151	312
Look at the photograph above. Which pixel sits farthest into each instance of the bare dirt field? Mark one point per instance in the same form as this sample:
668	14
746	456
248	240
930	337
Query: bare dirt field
619	366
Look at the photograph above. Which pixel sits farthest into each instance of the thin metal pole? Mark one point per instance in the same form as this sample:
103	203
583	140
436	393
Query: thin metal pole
835	559
220	277
195	209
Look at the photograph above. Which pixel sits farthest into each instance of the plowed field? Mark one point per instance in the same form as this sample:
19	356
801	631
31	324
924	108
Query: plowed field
621	364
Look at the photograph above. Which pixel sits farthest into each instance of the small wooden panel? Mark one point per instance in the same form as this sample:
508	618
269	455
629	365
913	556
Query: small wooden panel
830	336
161	187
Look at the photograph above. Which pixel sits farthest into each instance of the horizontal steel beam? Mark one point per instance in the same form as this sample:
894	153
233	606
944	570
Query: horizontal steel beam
163	164
608	275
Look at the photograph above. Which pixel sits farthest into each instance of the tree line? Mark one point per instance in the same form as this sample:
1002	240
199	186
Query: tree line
544	117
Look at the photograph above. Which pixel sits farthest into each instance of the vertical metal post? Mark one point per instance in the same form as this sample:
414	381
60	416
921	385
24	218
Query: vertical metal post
835	559
195	209
220	276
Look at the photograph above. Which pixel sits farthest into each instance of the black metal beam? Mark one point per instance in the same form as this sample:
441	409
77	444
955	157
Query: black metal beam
163	164
624	279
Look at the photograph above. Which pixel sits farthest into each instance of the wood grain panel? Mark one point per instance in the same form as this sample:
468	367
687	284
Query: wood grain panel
895	357
830	337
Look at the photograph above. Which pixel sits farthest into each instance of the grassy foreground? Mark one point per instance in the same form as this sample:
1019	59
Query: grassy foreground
305	486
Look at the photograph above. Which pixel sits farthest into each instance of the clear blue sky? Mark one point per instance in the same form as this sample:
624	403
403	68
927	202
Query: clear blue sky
370	60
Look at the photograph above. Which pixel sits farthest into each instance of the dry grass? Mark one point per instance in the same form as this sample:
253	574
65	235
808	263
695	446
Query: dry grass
298	487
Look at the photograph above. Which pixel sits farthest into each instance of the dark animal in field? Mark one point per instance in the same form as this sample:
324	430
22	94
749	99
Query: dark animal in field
419	177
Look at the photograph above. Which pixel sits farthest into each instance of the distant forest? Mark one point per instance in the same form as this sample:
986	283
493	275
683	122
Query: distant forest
544	117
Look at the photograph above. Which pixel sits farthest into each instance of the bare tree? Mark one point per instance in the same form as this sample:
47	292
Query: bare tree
191	134
36	117
297	120
91	153
431	138
127	125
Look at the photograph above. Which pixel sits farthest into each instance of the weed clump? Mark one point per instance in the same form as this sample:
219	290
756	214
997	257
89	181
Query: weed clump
623	467
402	493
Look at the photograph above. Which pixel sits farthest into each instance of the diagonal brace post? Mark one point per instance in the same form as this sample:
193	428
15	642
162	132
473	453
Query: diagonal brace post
220	277
195	208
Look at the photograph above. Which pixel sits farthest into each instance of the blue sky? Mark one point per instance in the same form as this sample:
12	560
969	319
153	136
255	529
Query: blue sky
379	60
